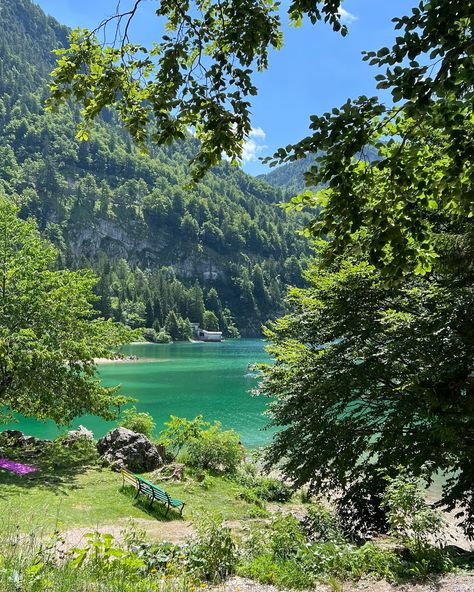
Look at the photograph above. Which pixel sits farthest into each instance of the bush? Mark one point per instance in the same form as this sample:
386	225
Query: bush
258	487
321	524
203	446
163	337
287	536
347	561
65	454
212	555
180	431
150	335
410	518
136	421
215	450
283	574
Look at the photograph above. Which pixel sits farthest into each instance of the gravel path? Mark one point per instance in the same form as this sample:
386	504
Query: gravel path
449	583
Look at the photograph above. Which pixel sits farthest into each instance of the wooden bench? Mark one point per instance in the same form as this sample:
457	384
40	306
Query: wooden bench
150	490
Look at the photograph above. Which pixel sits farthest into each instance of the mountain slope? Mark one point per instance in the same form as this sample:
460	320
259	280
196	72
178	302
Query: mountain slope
106	205
289	177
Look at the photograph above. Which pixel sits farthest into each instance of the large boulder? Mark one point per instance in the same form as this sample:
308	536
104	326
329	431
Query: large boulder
122	448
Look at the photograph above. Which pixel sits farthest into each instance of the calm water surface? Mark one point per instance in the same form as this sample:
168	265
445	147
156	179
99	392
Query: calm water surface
185	379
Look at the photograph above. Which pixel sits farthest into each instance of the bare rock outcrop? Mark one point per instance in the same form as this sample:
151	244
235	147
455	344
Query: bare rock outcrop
122	448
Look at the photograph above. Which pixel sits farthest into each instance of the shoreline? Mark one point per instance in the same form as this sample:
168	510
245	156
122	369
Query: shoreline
121	360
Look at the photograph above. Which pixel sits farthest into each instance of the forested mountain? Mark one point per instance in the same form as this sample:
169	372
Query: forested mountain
164	252
289	177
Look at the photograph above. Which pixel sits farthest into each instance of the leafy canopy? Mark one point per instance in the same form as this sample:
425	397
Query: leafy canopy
423	137
199	74
49	335
369	376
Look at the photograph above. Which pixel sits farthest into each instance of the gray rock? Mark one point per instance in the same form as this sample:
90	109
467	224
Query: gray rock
17	439
74	435
122	448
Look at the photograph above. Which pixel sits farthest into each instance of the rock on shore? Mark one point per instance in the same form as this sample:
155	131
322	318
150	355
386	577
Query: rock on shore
122	448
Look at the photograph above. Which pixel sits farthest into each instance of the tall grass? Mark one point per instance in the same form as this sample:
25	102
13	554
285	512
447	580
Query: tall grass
39	561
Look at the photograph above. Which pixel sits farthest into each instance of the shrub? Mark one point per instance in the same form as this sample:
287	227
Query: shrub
180	431
287	536
322	524
212	555
348	561
215	450
136	421
65	454
150	335
259	487
163	337
284	574
410	518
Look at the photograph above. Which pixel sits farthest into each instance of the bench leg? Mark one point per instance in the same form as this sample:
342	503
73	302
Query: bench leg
181	511
167	510
137	494
151	502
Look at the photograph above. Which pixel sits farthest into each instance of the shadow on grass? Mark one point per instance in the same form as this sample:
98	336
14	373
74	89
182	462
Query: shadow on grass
157	510
58	466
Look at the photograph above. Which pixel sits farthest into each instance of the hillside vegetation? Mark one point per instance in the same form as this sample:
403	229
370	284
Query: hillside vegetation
158	245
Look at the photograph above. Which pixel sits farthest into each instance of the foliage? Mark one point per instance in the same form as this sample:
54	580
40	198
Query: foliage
203	445
356	393
180	431
322	524
423	137
284	574
149	334
33	563
410	517
382	208
215	450
163	337
291	554
64	454
261	488
49	333
198	75
281	551
213	552
141	422
287	537
285	554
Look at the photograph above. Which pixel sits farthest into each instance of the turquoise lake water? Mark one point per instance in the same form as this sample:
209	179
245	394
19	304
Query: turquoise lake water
185	379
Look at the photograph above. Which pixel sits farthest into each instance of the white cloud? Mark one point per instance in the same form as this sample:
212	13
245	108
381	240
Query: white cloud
346	17
253	145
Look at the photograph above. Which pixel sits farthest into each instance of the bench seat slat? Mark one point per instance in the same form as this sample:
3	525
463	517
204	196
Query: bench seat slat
151	490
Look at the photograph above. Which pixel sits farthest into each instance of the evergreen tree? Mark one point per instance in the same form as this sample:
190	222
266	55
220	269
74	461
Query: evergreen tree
172	326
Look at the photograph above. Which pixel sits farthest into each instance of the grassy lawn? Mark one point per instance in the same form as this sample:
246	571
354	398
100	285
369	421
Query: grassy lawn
93	496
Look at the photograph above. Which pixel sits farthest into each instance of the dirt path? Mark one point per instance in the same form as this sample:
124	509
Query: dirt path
174	531
449	583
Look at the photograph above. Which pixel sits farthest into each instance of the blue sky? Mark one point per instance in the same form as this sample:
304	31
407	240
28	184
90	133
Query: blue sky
316	70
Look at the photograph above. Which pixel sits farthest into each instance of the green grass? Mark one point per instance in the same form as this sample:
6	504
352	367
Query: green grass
94	496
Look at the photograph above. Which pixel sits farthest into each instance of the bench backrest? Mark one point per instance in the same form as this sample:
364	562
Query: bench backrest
153	491
130	477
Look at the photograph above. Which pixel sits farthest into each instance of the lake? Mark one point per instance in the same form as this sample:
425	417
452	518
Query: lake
184	379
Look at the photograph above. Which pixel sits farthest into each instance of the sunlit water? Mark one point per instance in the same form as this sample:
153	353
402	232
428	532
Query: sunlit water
185	379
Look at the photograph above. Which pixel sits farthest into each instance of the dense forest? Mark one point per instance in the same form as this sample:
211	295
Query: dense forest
220	252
